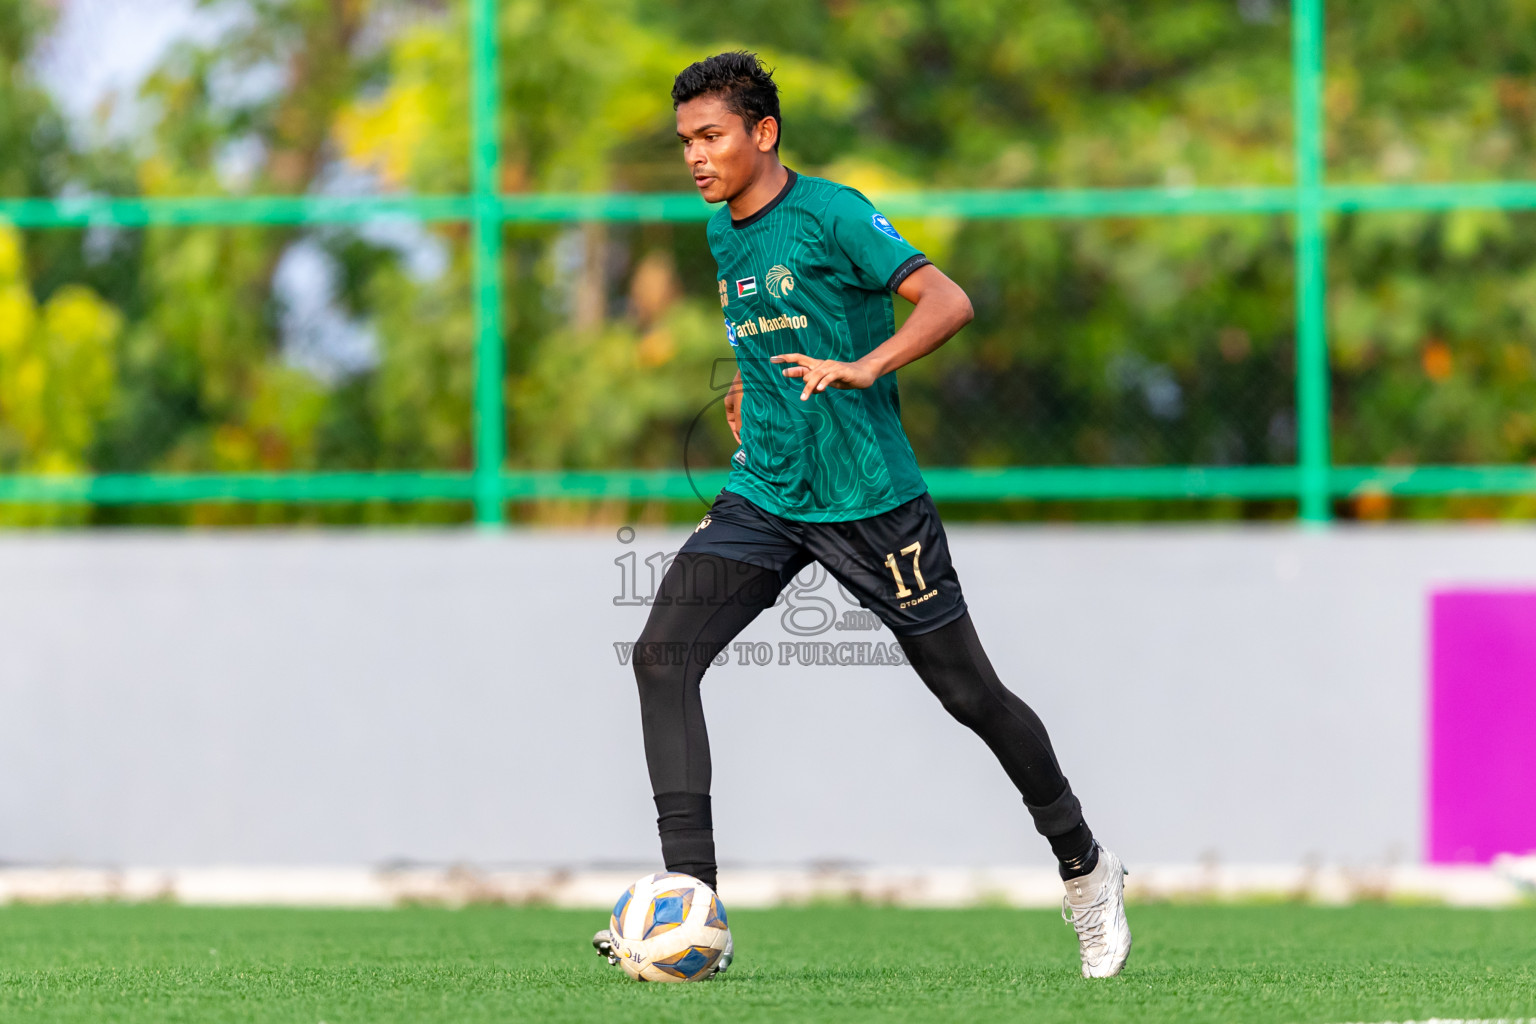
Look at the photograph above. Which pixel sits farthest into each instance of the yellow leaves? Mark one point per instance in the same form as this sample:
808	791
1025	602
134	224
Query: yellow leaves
420	121
10	253
157	176
868	176
57	463
58	367
28	377
386	134
17	314
78	325
78	332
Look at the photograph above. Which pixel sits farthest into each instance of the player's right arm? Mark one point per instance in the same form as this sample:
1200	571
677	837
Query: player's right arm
733	407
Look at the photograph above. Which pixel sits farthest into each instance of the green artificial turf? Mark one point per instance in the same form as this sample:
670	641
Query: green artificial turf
166	963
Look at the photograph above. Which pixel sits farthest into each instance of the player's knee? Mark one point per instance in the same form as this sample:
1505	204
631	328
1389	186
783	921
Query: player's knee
971	706
654	677
663	663
653	673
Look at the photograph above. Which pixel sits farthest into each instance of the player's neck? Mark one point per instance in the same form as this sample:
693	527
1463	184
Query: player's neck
760	193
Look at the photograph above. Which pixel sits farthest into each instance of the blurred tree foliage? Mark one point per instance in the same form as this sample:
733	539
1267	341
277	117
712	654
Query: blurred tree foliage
58	376
1099	342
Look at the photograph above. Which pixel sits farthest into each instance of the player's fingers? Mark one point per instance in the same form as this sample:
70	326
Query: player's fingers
817	380
835	377
840	376
793	357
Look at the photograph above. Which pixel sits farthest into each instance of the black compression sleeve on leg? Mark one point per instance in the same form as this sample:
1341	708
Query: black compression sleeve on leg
1059	815
687	830
1061	822
954	666
703	602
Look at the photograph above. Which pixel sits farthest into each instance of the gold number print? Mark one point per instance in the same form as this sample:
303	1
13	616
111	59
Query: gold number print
915	549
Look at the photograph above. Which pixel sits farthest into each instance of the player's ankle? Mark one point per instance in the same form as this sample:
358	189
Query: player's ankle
1080	865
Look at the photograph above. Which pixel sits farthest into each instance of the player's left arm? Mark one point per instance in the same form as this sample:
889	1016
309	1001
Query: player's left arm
940	309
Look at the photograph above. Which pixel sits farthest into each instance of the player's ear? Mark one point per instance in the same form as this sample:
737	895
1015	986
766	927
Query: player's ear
767	134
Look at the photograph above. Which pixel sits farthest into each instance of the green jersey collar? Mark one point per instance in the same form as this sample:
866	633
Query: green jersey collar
789	183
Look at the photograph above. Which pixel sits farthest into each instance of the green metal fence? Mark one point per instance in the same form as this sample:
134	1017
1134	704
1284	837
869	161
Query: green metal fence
1313	481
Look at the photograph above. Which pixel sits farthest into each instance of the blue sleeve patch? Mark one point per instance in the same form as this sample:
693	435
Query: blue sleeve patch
885	226
730	333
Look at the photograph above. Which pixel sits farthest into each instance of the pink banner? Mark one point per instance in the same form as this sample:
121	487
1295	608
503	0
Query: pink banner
1482	725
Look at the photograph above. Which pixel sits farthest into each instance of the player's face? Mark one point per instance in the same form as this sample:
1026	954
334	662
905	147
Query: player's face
723	157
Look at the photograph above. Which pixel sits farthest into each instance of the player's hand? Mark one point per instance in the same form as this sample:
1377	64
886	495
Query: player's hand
820	374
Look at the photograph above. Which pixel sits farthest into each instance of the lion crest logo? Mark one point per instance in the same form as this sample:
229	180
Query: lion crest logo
781	281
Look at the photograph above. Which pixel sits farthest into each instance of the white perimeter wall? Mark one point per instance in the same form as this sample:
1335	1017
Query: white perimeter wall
1255	695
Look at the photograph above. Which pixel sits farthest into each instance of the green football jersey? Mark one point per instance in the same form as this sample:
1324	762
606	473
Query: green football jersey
812	272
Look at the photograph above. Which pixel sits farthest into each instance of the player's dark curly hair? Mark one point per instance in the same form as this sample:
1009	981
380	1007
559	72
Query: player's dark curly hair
740	79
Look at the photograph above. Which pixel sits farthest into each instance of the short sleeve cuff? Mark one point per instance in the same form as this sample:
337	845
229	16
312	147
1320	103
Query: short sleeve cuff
905	271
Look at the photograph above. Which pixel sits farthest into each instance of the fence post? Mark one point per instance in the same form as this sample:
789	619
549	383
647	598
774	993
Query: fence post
1312	374
490	415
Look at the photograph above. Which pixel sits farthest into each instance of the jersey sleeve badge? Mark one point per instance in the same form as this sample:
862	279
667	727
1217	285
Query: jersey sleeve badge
884	226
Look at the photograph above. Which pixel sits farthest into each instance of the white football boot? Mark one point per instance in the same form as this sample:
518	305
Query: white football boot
726	956
1095	906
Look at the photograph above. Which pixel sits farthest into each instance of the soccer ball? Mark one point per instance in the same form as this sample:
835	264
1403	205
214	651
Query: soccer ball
669	927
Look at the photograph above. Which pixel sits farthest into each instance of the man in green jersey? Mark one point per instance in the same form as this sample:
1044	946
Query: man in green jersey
824	473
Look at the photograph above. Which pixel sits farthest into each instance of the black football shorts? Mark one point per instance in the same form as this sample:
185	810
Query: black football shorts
896	563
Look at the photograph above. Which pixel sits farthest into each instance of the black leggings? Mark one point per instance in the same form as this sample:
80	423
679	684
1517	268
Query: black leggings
705	601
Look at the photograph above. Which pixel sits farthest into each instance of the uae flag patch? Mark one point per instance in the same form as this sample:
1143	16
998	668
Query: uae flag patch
746	286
